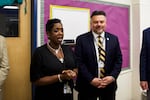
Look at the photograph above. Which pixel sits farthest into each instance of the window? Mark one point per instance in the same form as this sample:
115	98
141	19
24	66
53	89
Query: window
9	21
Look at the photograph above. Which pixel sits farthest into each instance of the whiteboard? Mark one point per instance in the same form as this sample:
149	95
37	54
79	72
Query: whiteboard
75	20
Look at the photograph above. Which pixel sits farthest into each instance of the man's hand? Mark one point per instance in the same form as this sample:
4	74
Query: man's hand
144	85
96	82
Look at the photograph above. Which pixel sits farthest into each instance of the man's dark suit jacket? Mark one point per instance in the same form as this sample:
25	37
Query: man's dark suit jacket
87	61
145	56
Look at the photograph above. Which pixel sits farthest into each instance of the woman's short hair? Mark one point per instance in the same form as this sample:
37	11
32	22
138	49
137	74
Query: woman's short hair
50	24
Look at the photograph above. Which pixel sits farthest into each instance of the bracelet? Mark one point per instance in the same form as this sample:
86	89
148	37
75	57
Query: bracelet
60	80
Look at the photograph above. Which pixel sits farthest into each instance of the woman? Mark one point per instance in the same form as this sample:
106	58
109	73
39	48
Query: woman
53	67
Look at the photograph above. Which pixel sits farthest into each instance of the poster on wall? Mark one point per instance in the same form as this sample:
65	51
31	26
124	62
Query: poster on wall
118	20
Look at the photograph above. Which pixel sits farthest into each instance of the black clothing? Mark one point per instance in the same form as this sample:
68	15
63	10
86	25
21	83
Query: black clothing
45	63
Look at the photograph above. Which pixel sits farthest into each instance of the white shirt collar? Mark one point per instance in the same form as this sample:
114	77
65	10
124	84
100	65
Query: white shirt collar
96	35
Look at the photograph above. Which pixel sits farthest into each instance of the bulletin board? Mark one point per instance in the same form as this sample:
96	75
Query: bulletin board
118	20
71	19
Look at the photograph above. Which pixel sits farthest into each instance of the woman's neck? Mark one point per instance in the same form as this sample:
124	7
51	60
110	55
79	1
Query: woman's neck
54	46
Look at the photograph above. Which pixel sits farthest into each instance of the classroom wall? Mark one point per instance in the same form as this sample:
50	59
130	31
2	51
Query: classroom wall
135	48
17	86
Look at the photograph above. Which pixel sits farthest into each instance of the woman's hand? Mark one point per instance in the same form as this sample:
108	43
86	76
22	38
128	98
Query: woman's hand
68	74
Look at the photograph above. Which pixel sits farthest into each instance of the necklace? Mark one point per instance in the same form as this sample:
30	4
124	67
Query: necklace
57	52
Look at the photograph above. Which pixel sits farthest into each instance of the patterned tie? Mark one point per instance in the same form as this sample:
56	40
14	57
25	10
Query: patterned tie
101	55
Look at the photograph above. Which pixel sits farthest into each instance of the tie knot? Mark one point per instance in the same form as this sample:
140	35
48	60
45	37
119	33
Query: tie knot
99	36
100	39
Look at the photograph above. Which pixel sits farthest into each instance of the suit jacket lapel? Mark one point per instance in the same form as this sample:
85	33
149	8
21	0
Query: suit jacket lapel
91	43
107	44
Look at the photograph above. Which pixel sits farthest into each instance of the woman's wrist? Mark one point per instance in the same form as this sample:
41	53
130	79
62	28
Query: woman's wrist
60	80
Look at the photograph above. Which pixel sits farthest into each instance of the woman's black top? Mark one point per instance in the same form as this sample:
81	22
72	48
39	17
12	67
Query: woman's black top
45	63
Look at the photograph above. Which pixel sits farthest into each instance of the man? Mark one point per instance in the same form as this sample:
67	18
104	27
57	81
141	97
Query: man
145	62
4	66
90	85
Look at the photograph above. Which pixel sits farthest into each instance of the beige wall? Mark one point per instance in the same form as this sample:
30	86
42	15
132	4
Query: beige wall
17	86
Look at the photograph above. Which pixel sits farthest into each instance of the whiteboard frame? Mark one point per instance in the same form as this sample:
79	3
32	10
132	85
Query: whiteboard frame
75	20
